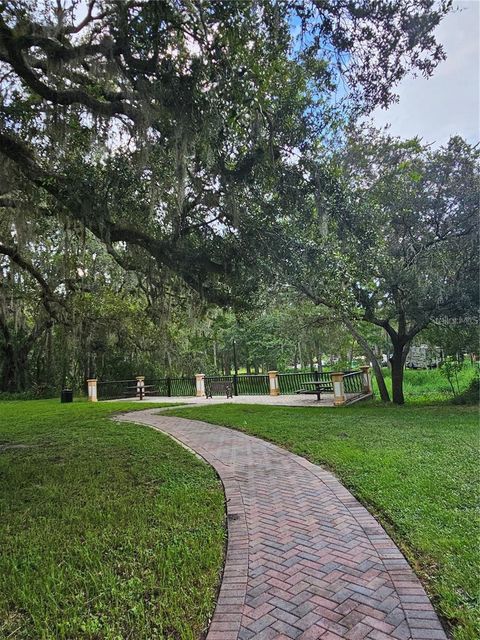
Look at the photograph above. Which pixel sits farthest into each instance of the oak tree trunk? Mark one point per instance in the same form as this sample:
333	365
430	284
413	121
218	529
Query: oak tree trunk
377	369
397	363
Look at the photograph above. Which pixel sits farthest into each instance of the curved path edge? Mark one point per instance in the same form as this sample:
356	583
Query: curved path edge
304	558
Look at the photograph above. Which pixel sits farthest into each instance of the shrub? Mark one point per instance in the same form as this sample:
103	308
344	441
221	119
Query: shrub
471	395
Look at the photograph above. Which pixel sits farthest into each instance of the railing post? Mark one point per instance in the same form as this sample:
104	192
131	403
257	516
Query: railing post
200	384
92	389
141	387
366	379
235	384
169	387
273	383
338	389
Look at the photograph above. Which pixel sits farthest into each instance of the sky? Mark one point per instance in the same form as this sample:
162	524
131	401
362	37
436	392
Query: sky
447	103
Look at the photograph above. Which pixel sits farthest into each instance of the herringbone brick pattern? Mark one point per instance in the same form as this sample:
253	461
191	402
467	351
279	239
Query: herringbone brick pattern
304	560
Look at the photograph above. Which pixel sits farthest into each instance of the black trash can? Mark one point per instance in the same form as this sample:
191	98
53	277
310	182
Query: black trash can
67	395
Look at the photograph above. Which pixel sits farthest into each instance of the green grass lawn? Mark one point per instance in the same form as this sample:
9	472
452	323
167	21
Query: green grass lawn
107	530
415	467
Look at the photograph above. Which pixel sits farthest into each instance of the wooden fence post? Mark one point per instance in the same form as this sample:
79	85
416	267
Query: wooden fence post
366	379
338	389
273	383
200	384
92	389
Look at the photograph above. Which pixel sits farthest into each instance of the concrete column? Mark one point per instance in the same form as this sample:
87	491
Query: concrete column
141	387
338	389
366	379
273	383
92	389
200	384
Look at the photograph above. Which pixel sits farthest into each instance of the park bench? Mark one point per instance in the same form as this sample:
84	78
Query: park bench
218	387
316	387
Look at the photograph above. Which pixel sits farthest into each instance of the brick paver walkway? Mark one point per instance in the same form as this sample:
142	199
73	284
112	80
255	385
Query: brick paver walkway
304	560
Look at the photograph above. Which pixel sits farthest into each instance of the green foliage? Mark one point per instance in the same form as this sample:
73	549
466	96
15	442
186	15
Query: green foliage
471	395
417	470
450	369
383	232
455	338
111	531
429	386
179	147
178	119
34	394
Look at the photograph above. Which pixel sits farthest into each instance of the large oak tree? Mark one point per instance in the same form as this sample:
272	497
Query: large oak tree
390	239
156	124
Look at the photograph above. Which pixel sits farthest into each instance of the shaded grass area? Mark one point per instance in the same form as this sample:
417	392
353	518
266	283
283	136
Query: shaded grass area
416	468
108	530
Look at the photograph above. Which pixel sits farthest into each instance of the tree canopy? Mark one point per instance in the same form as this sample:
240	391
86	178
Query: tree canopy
149	122
160	156
394	242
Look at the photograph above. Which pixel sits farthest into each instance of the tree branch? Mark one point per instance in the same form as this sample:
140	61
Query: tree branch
82	206
48	296
17	61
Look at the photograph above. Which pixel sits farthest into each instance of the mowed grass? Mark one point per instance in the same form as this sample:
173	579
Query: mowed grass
107	530
416	468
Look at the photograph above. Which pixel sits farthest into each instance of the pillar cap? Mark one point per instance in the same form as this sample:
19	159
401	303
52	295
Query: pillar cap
92	379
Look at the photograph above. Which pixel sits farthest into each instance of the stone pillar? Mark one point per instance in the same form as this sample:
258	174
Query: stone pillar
338	389
200	384
273	383
366	379
92	389
141	387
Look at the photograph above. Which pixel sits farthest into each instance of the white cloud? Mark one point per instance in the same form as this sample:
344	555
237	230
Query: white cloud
447	103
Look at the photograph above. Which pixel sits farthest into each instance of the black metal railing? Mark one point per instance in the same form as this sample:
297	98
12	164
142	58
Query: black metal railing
289	383
353	382
171	387
165	387
183	386
111	389
243	385
253	385
159	387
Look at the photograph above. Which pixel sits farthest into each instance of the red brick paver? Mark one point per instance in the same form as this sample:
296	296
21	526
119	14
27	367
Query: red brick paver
304	559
